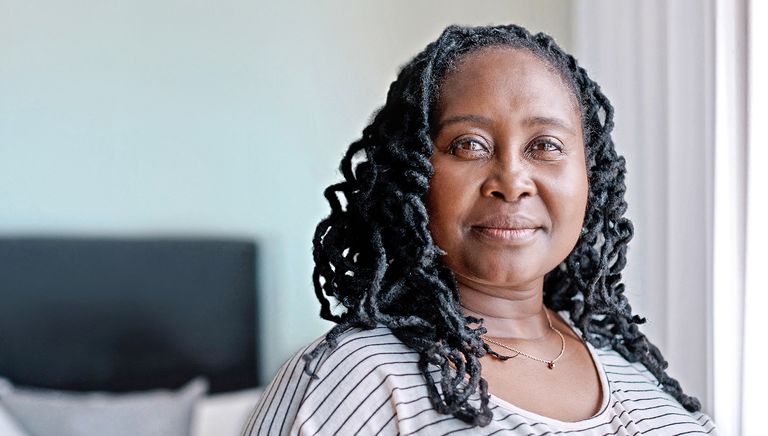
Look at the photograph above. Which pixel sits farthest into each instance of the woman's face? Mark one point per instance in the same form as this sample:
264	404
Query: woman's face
508	195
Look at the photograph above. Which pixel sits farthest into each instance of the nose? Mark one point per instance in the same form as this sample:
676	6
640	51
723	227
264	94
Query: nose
509	182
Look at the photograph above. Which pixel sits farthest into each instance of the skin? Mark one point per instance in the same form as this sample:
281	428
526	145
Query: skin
506	203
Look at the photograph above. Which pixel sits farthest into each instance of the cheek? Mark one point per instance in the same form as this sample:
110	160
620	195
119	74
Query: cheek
567	204
449	196
438	199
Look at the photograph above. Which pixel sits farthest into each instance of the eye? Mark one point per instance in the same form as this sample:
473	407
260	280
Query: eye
545	149
470	147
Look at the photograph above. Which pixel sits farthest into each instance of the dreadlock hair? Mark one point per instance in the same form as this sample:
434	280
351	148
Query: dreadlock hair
377	264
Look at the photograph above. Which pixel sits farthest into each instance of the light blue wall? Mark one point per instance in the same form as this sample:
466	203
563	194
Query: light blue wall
219	118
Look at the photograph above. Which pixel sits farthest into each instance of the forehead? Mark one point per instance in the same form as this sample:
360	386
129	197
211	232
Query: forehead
510	77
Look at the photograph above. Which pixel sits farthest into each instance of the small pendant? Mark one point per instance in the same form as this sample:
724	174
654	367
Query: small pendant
551	365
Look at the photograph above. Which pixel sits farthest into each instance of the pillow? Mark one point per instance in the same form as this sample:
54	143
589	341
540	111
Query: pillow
224	414
8	425
151	413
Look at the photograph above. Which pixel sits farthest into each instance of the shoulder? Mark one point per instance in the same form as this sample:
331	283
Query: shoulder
360	356
634	390
351	381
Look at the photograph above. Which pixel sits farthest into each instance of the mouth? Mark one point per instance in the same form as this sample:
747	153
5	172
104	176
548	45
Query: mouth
514	229
507	234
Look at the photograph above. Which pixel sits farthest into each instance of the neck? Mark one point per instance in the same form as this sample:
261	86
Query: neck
507	313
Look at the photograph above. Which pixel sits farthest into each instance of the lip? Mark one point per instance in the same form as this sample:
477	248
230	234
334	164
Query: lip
510	221
514	228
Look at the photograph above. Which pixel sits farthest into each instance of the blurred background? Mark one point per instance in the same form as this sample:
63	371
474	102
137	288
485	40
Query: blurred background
222	122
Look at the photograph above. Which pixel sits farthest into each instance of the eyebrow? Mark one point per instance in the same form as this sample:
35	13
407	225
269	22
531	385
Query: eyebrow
530	121
549	121
479	119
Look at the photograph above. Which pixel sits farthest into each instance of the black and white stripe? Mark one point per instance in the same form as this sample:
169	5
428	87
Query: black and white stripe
370	384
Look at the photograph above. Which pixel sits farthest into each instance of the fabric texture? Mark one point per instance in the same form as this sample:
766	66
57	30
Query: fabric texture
56	413
224	414
8	425
370	384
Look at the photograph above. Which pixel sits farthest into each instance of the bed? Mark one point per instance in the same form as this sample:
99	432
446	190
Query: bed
89	325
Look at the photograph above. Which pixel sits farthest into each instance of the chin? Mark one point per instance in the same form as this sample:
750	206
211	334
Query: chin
511	276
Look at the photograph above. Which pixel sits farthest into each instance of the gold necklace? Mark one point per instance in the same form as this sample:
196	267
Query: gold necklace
550	363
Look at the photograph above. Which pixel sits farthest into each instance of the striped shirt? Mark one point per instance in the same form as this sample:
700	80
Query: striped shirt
370	384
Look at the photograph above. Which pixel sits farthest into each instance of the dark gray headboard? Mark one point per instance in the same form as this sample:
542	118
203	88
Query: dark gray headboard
127	314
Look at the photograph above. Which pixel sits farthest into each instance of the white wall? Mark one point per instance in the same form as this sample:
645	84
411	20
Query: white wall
223	118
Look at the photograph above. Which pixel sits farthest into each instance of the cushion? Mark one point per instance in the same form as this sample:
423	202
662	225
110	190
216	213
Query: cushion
224	414
150	413
8	425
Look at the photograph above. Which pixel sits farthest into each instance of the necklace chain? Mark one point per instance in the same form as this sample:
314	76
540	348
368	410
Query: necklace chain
550	363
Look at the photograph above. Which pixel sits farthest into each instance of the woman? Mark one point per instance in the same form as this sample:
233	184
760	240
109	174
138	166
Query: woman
472	262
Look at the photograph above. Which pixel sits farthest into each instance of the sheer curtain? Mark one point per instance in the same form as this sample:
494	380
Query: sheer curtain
730	200
755	379
654	60
676	72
